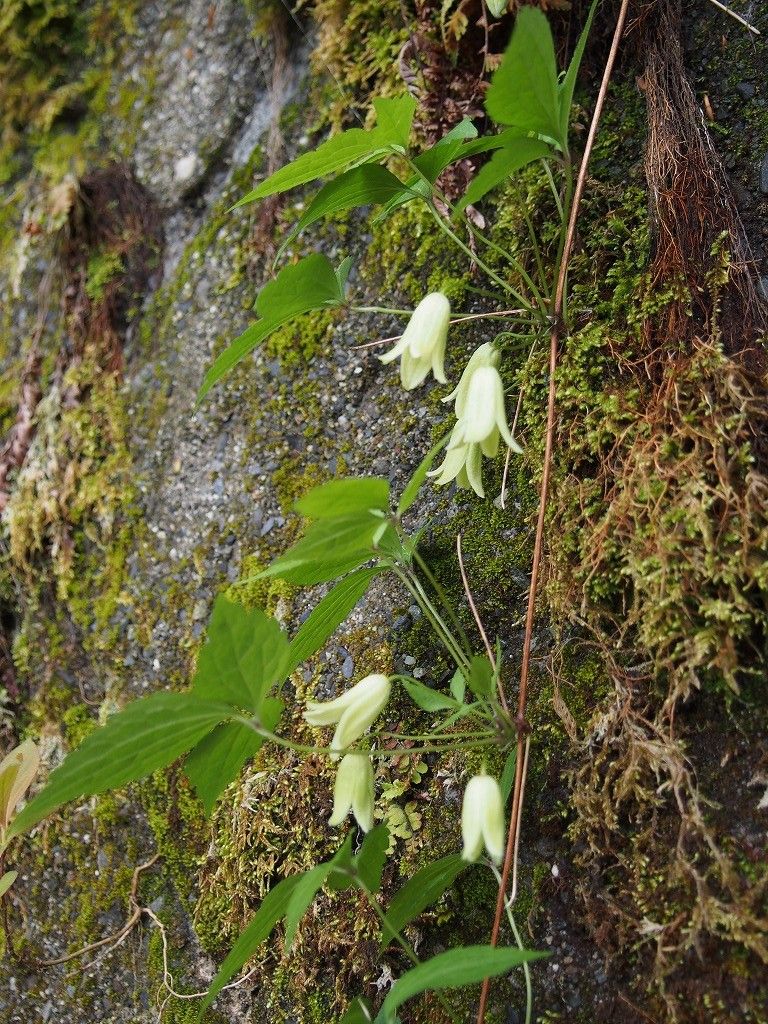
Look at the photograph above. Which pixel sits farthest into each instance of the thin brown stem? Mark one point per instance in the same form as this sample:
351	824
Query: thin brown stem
479	622
557	311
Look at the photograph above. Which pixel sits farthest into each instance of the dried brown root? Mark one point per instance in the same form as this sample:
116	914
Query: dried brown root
115	215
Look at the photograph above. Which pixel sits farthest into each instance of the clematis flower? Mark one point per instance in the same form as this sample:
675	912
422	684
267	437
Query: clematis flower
354	791
422	345
353	713
482	819
481	421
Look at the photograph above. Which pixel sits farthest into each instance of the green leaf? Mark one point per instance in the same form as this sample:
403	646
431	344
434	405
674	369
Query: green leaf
344	497
372	857
336	154
504	162
568	83
414	485
498	8
342	876
327	544
508	775
421	891
454	969
490	142
433	161
480	679
359	1011
342	273
7	881
524	89
245	654
308	887
329	614
302	896
273	908
218	757
148	734
414	188
427	699
299	288
308	575
366	185
394	118
458	685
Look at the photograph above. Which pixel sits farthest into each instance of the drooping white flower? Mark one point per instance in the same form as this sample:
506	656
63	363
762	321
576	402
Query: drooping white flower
353	713
422	344
354	791
481	421
482	819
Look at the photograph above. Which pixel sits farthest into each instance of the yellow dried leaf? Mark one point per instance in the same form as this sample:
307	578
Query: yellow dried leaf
17	770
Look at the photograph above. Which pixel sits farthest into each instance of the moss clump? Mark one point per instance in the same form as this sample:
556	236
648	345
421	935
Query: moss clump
178	823
54	59
358	45
102	268
409	256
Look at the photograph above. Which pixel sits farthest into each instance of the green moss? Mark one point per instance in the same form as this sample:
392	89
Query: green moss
409	256
162	958
358	45
103	267
178	823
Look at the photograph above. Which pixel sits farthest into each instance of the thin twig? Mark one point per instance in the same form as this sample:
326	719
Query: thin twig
557	310
738	17
456	320
479	623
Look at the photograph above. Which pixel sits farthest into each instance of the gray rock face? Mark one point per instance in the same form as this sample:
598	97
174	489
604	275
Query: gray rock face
208	74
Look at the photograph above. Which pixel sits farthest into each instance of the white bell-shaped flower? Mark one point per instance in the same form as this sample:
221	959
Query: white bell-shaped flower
354	791
481	422
353	713
421	347
485	355
482	819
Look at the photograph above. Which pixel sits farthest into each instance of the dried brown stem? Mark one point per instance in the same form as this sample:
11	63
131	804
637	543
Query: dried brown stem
555	337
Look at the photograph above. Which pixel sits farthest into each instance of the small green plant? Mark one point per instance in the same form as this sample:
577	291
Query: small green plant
355	533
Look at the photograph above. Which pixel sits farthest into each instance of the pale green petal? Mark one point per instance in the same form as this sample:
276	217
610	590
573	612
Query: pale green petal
480	408
451	466
360	715
363	798
471	826
413	371
353	791
474	466
485	355
490	445
330	712
396	351
482	819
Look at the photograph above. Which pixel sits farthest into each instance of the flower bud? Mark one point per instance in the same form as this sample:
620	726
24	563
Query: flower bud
354	791
422	344
353	713
482	819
